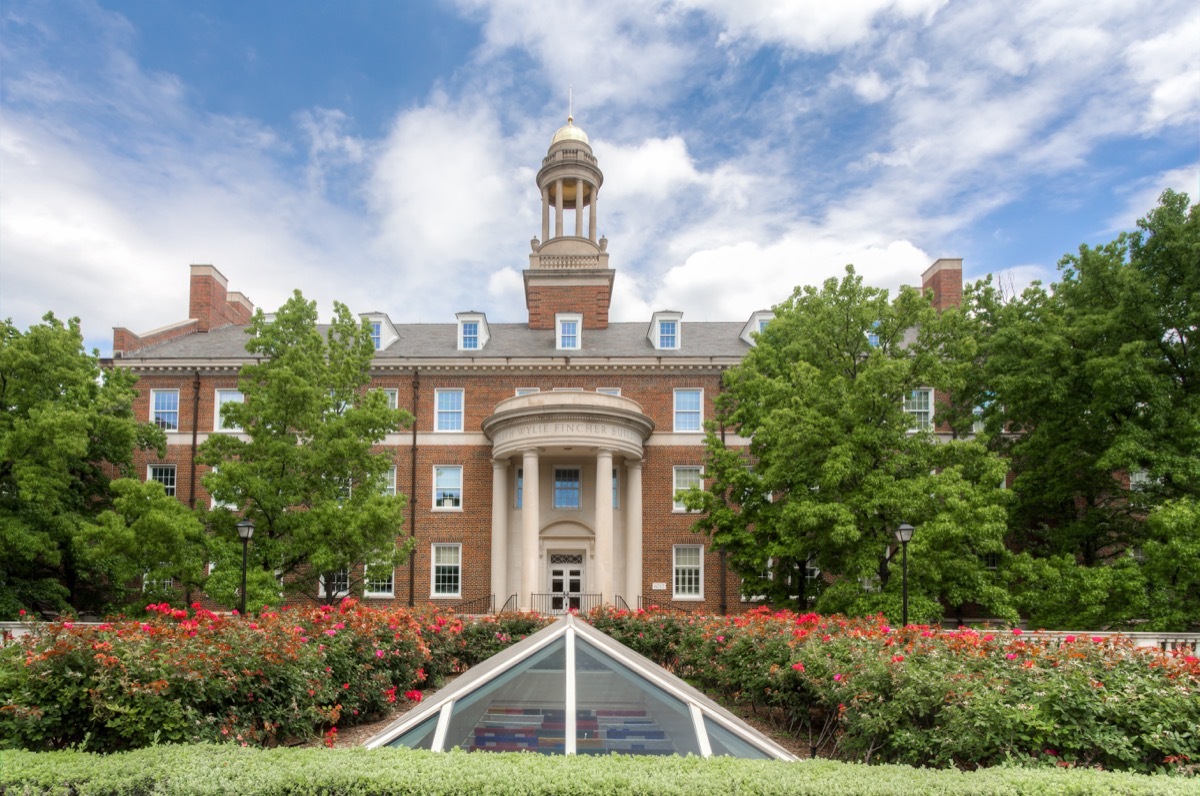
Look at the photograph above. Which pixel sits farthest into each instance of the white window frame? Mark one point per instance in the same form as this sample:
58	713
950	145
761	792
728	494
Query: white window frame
560	336
218	402
922	418
677	506
677	413
154	411
469	335
377	334
158	583
449	414
173	469
389	481
609	391
678	568
578	490
528	390
393	396
369	592
433	570
337	592
519	496
447	469
668	334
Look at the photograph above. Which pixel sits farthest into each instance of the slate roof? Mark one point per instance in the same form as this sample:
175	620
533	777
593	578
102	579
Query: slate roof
508	340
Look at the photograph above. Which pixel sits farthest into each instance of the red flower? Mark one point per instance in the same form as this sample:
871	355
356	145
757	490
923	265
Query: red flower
897	659
798	667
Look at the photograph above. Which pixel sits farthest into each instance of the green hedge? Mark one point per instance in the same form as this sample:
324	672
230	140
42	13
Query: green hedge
166	770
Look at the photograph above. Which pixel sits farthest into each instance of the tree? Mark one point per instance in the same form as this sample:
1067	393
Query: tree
303	469
1094	390
836	463
66	427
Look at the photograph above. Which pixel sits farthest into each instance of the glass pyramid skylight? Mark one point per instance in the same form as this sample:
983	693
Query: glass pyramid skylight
571	689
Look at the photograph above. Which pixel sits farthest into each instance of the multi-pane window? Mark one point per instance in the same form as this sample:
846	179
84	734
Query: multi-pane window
340	581
470	335
379	582
568	334
873	335
685	479
668	334
919	405
377	334
164	409
689	571
447	487
389	481
153	584
163	474
221	398
393	397
520	486
566	488
688	412
447	570
449	410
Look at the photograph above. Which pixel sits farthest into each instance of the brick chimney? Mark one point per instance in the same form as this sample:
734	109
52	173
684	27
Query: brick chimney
944	278
210	306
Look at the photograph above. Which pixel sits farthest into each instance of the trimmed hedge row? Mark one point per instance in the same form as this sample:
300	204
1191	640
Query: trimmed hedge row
199	770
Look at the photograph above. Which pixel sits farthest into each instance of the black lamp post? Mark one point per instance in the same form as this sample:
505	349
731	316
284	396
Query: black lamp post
903	535
245	530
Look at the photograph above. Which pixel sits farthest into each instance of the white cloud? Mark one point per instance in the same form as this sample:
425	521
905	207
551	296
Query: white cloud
1169	64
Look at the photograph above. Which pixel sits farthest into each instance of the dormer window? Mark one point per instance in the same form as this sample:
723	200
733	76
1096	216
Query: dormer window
473	333
569	328
383	334
757	324
666	331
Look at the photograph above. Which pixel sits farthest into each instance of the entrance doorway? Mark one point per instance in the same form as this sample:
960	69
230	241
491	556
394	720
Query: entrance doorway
566	582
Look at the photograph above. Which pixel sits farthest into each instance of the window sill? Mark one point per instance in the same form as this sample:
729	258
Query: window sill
446	509
379	595
687	598
445	596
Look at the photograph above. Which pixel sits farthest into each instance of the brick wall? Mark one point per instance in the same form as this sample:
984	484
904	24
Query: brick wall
944	278
591	301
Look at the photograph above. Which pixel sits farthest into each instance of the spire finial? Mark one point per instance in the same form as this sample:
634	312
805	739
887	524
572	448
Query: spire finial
570	103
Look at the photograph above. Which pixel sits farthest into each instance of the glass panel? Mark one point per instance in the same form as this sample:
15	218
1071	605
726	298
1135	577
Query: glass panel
419	737
725	742
620	711
523	709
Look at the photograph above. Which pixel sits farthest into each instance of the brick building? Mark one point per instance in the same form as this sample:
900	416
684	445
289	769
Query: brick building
545	458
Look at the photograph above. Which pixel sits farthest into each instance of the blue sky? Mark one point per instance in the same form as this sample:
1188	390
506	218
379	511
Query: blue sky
383	154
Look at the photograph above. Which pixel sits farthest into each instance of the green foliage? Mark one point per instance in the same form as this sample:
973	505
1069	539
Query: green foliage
194	770
304	469
835	463
858	689
1086	384
65	428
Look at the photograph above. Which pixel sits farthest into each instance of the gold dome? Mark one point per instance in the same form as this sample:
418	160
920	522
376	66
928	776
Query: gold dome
569	132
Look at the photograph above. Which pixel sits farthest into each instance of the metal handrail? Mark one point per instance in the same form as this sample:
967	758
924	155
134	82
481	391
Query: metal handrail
480	605
567	601
510	605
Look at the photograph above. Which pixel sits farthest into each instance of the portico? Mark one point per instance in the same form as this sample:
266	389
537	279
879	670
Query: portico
567	495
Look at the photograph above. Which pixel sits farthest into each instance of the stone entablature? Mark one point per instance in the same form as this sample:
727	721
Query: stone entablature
555	420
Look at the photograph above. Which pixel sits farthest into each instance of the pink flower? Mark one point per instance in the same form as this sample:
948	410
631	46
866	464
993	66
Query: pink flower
837	678
1012	656
21	612
1017	631
798	667
331	632
378	653
1069	639
1098	639
720	638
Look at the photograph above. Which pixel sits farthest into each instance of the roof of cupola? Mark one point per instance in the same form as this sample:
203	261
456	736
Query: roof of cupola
569	132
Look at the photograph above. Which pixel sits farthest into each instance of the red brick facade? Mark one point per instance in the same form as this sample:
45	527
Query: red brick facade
590	301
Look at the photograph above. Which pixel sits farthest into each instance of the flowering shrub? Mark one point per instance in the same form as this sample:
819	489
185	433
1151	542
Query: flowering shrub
859	689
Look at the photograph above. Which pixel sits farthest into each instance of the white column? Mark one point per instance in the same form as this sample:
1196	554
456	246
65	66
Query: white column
604	528
592	217
558	208
633	533
530	523
545	213
578	207
500	531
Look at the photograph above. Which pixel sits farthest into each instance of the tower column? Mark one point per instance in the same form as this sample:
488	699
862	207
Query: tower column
604	526
500	530
579	207
530	522
633	533
558	208
592	217
545	213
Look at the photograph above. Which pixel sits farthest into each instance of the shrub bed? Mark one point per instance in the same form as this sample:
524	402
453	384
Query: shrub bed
197	770
188	676
858	689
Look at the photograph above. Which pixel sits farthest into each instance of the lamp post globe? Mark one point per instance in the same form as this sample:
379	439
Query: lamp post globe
903	535
245	531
